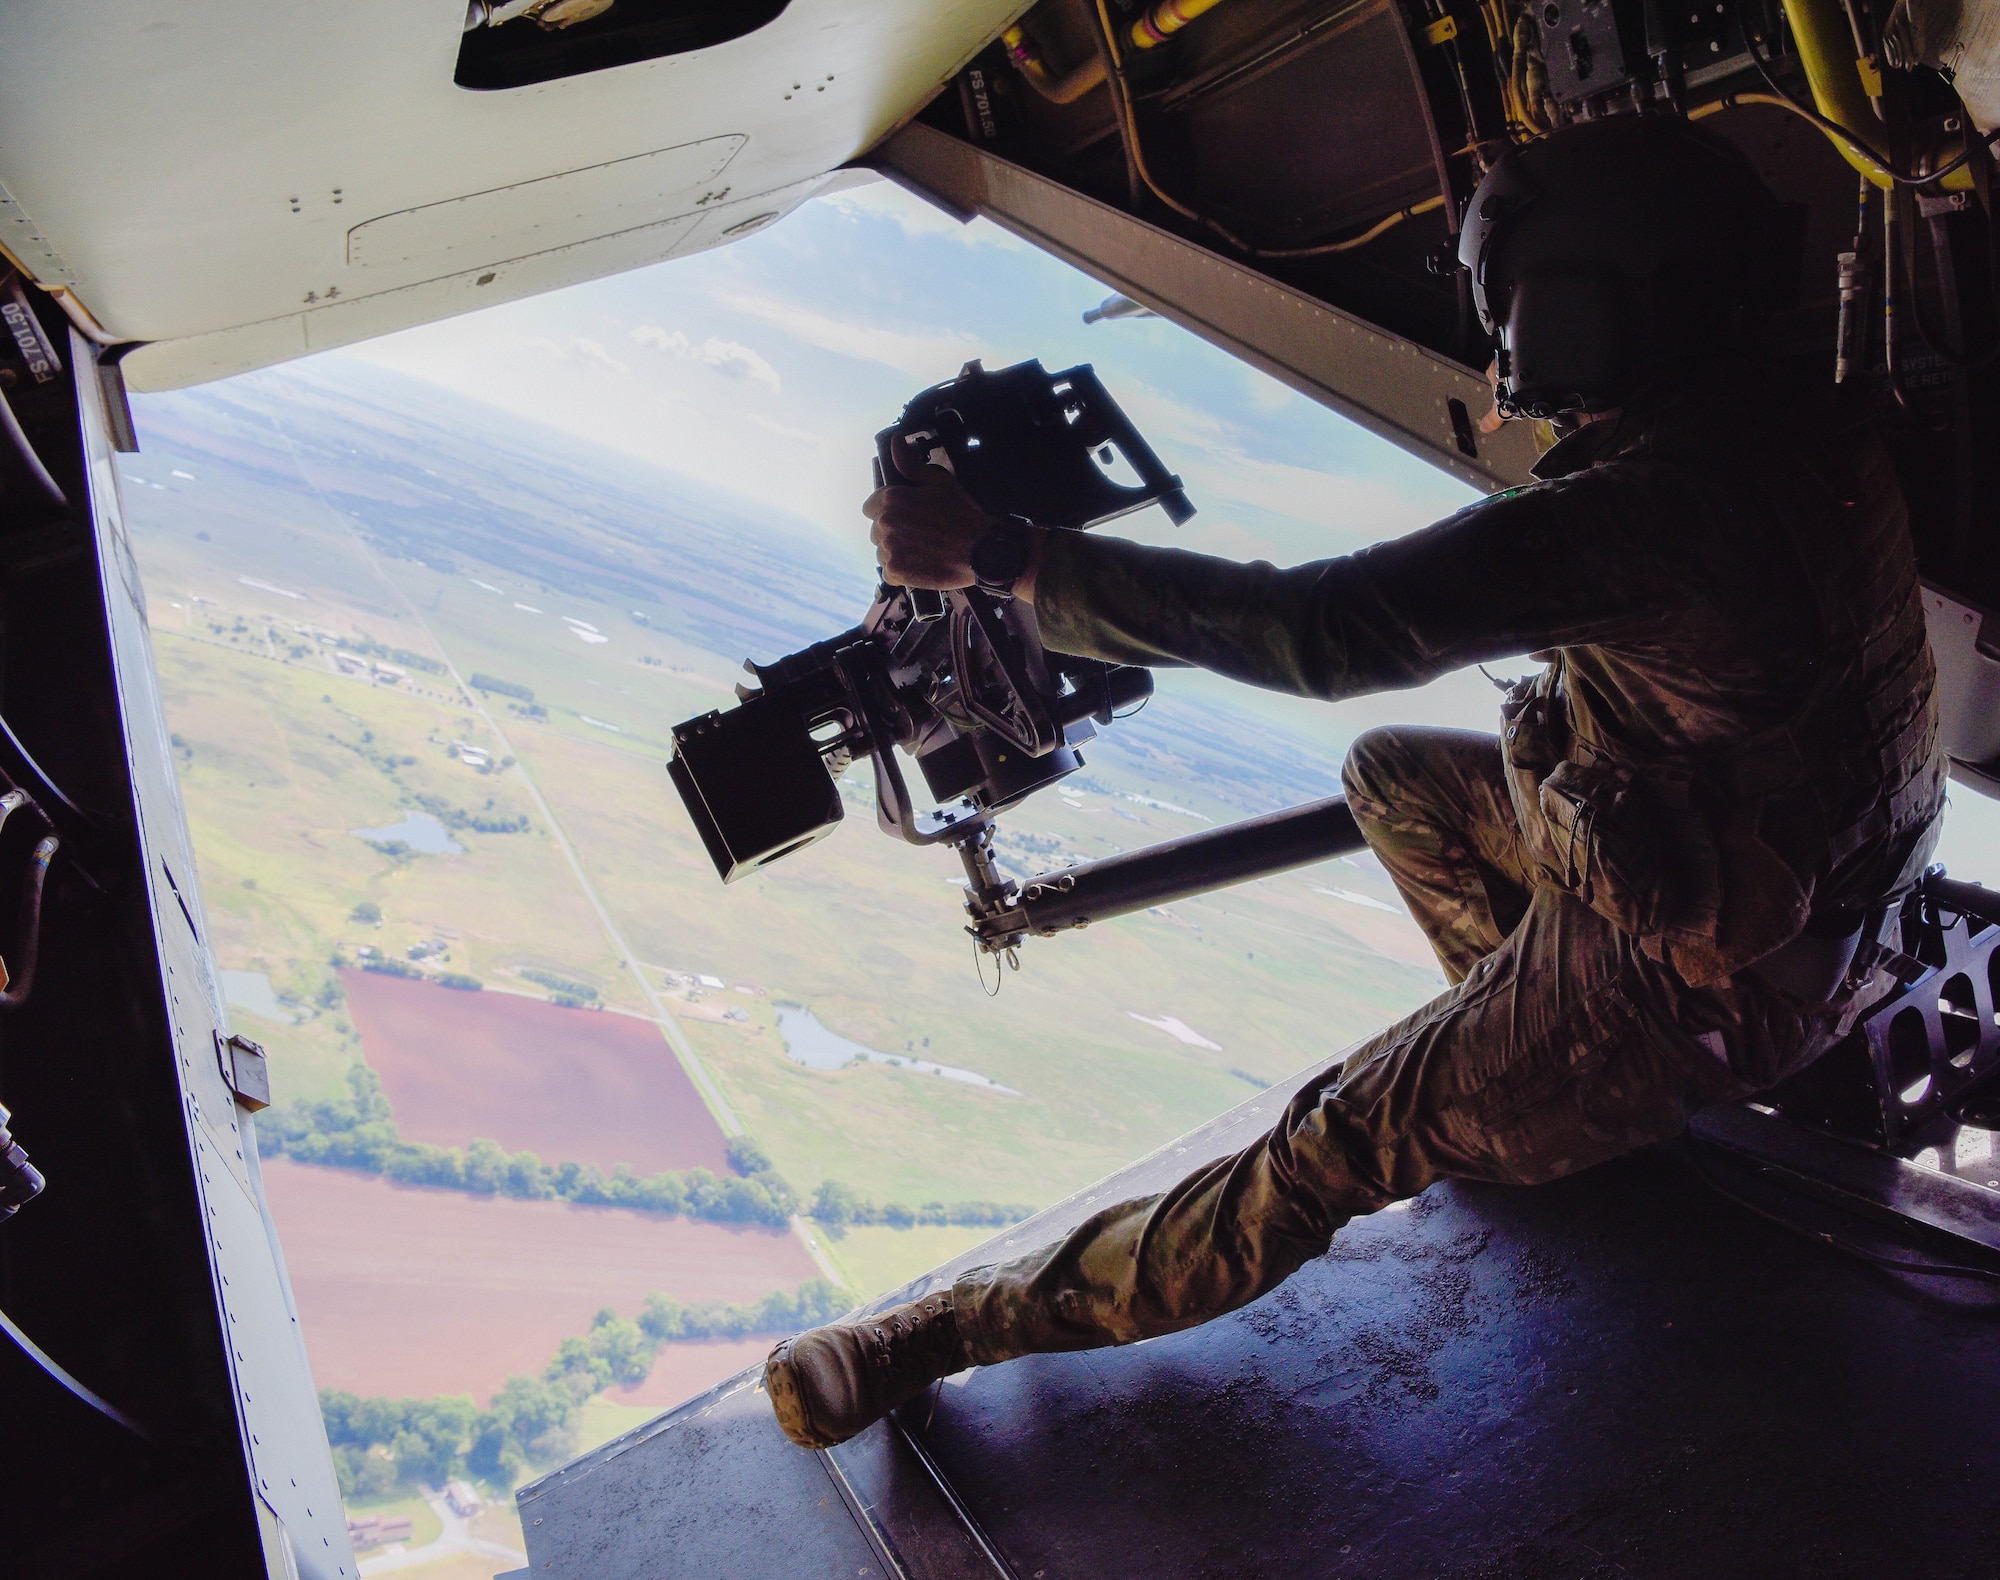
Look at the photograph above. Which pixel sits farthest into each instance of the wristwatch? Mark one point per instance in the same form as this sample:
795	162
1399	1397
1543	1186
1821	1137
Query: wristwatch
1000	558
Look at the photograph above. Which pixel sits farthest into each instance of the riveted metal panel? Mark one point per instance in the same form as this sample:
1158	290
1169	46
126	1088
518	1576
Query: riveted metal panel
285	1448
1389	385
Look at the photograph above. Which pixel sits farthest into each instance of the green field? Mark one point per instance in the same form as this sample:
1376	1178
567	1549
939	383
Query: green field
282	753
876	1259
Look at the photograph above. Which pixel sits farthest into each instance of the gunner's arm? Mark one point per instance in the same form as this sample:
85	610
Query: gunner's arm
1534	568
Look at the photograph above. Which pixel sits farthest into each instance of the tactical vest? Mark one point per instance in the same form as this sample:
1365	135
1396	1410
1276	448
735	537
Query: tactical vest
1720	859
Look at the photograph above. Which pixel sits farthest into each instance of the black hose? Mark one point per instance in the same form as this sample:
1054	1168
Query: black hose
38	474
63	1379
36	772
22	983
1836	130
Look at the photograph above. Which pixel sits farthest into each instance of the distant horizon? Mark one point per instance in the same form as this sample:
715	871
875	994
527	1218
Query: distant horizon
782	354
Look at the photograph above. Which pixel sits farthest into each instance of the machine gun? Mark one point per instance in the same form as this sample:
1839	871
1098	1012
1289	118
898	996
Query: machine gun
961	682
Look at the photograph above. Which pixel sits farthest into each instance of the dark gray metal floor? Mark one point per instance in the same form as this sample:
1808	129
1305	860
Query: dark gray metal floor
1623	1375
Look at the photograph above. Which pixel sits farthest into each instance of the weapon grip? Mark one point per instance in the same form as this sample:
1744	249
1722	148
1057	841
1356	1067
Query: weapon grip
886	469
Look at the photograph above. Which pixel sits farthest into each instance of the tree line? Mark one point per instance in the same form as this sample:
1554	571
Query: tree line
836	1206
383	1446
358	1132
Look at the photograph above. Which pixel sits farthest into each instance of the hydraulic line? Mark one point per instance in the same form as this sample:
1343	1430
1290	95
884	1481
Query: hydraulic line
1164	20
38	474
1892	342
23	981
34	768
97	1402
1873	170
1851	335
1843	102
1027	58
1950	346
1121	99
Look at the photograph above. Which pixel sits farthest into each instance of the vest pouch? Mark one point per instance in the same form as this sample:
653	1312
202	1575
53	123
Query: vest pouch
1631	844
1530	730
1620	844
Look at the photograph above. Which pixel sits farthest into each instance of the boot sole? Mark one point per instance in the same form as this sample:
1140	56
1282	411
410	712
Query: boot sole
788	1401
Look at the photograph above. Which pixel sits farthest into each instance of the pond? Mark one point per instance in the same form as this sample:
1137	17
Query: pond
252	990
809	1043
419	830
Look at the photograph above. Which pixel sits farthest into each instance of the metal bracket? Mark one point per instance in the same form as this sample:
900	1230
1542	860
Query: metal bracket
245	1069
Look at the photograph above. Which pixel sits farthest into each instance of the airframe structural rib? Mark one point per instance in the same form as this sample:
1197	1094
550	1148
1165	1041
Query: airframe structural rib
148	1269
1389	385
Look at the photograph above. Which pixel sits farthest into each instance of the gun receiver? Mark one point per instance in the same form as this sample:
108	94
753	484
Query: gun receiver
960	681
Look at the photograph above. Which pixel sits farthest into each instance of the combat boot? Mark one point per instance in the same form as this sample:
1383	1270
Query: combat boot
830	1383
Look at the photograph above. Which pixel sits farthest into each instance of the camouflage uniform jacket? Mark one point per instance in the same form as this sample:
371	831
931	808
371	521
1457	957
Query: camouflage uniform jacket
1726	598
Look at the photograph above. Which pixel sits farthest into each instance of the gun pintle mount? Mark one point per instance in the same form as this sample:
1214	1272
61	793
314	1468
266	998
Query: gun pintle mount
961	681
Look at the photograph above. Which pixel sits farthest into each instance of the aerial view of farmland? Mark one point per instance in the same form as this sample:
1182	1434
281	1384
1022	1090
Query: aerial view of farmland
564	1131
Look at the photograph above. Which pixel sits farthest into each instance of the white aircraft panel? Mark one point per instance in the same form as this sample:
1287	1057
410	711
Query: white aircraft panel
201	167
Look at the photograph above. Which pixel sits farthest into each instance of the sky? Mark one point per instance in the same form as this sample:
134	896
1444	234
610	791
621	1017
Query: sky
766	367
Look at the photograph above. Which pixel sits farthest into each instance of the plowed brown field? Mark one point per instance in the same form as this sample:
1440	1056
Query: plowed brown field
407	1291
566	1084
681	1371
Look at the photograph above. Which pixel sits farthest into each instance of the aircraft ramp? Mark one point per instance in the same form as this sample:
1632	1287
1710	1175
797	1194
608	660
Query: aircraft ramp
1626	1374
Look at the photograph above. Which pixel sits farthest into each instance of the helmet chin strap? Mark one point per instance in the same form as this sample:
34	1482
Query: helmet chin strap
1571	417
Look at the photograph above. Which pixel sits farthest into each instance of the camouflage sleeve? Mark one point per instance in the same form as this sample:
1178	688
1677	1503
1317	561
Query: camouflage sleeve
1597	557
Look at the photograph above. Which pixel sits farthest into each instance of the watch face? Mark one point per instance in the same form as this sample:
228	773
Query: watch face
1000	556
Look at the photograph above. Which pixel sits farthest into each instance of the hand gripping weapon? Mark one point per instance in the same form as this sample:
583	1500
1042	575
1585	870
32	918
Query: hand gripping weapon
961	682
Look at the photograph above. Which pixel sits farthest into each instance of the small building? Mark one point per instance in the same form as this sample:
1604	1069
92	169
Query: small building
378	1530
461	1498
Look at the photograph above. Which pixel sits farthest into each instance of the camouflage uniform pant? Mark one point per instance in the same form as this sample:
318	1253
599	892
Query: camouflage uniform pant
1560	1044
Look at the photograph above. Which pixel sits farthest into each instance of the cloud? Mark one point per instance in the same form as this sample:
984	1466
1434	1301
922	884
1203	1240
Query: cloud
930	357
576	348
1307	512
1266	393
804	436
916	218
731	358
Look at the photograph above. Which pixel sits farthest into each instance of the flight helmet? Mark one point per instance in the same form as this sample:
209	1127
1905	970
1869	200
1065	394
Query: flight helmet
1614	251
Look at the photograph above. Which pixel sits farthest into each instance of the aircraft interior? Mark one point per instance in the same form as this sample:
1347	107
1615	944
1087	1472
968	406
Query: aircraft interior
1763	1350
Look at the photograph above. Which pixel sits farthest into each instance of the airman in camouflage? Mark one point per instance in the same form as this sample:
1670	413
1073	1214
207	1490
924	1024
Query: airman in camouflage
1736	622
1653	890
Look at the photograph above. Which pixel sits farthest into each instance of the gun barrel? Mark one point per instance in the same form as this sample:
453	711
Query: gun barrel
1969	899
1177	868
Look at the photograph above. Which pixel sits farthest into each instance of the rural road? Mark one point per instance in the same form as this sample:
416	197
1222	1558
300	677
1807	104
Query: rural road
454	1538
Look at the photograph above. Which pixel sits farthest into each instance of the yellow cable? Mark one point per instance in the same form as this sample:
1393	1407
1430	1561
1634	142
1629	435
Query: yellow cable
1856	152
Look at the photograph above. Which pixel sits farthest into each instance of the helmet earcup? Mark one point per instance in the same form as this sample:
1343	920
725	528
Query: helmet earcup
1571	334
